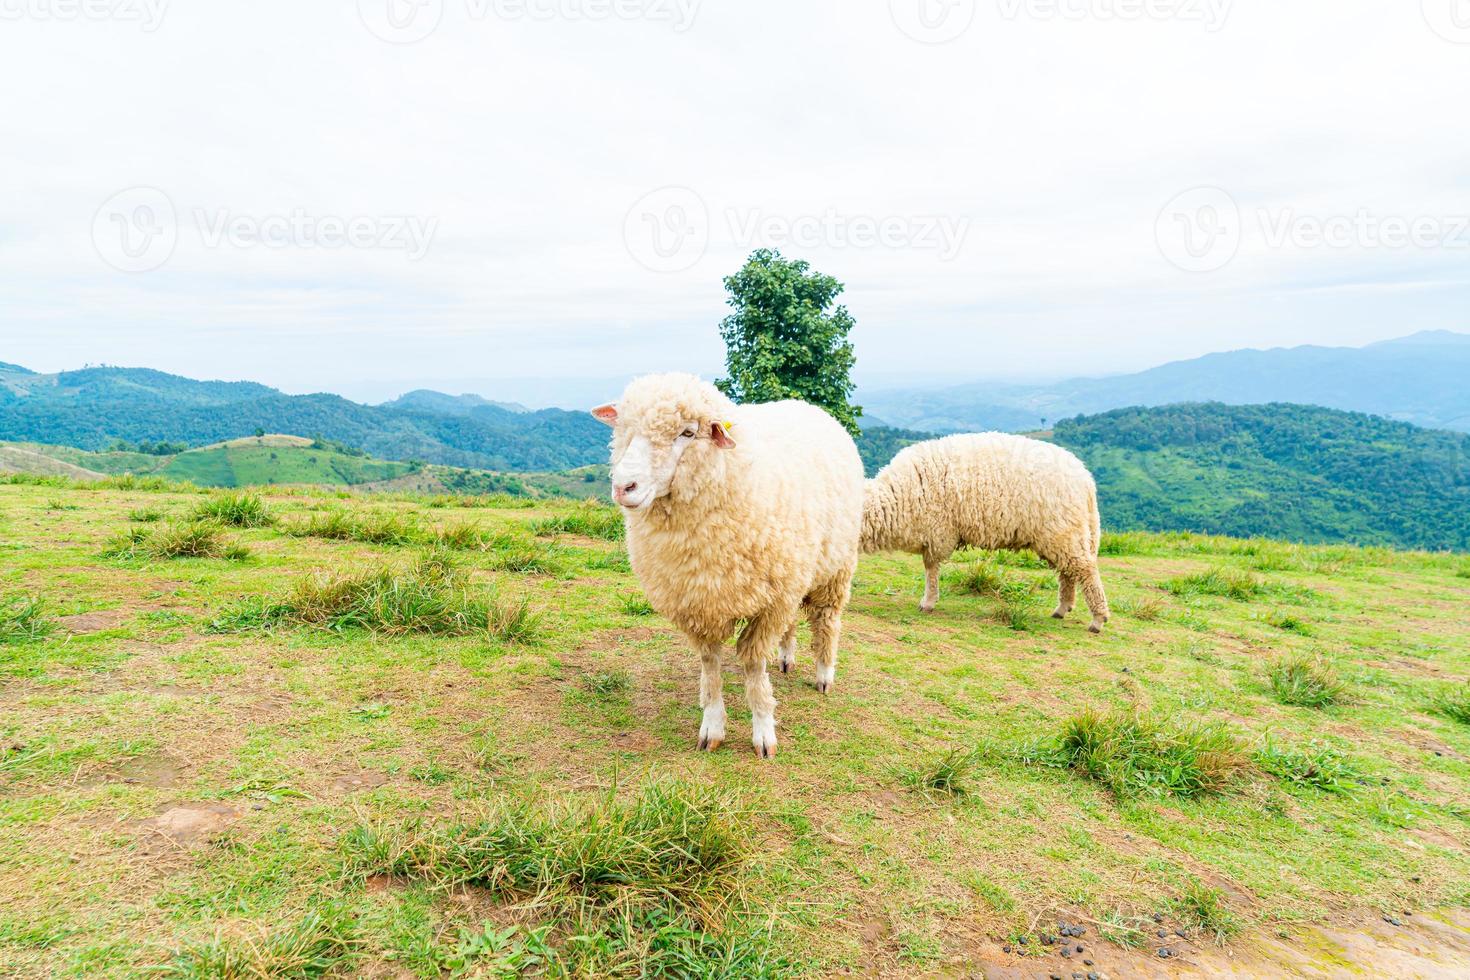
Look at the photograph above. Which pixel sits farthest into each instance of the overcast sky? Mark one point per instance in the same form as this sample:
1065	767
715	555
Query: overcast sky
357	197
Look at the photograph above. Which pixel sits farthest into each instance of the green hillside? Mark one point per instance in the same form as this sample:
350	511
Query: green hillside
263	461
254	465
96	407
1284	471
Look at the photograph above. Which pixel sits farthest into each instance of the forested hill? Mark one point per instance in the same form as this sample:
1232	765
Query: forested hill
96	407
1281	471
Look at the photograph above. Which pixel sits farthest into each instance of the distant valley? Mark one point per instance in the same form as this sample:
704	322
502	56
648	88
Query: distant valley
1423	379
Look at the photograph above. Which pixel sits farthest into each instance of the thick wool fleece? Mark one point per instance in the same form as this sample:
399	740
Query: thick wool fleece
990	490
753	533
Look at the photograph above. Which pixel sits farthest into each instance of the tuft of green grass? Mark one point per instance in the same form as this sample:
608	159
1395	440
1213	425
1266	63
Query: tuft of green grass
1289	623
368	528
428	596
1305	681
1133	755
201	539
513	553
1017	612
1127	543
235	510
591	520
1454	704
608	683
980	578
1148	608
633	604
146	515
1317	765
23	620
677	845
319	942
1227	583
946	776
1204	909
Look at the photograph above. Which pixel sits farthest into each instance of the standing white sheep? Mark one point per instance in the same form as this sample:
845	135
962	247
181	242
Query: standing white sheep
736	514
990	490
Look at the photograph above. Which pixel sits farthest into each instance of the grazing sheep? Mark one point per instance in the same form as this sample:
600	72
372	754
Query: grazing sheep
991	490
734	514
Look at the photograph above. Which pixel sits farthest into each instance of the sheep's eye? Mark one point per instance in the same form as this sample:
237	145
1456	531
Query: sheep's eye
688	433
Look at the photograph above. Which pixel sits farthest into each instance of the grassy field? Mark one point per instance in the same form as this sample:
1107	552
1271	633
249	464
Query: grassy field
306	735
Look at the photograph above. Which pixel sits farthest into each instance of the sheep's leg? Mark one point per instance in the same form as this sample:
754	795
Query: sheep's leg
931	585
1066	594
788	650
756	639
826	629
711	697
1097	599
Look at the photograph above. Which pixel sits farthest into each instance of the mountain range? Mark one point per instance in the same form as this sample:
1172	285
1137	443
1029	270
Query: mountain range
1423	379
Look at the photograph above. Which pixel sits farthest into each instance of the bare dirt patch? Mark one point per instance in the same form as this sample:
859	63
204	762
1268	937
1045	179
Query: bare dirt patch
159	771
92	622
187	824
357	782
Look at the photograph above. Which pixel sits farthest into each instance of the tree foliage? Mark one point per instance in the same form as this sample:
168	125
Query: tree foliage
786	339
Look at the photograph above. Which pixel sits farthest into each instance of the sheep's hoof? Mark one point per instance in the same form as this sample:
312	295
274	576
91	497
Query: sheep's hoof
1094	628
1058	614
763	735
785	666
710	744
823	687
926	609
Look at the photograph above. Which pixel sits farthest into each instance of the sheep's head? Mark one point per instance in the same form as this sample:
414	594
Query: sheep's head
661	420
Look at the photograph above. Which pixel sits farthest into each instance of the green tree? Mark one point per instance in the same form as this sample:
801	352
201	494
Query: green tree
786	339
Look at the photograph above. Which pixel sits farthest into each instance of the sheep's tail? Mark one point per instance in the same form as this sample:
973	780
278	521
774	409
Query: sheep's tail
1095	520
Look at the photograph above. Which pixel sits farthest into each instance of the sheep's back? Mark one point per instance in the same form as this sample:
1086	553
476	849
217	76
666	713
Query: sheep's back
996	490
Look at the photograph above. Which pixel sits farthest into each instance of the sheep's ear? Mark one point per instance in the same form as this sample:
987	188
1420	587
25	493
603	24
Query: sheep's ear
607	414
718	431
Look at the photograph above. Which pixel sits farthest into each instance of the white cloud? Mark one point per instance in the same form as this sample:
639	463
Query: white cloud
1053	138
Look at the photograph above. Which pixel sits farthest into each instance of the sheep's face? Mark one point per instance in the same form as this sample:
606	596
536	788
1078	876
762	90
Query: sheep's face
651	438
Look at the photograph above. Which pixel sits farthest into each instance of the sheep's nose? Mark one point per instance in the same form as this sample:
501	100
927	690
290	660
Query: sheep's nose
621	490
